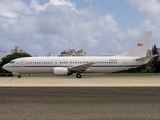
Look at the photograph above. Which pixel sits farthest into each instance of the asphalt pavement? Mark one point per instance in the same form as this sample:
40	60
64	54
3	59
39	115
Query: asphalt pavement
80	103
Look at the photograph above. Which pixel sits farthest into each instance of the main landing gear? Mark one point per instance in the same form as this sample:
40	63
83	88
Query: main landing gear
78	75
19	76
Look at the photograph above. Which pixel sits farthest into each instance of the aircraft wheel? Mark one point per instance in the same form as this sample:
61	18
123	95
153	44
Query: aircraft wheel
78	75
19	76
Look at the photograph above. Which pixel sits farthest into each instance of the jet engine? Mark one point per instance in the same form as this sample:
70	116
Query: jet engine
60	71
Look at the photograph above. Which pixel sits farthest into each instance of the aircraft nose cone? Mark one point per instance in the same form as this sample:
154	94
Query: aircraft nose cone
5	67
8	67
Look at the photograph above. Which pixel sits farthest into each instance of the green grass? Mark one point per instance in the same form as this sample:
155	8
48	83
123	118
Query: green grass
124	74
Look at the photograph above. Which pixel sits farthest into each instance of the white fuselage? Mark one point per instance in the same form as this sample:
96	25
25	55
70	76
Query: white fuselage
104	64
133	58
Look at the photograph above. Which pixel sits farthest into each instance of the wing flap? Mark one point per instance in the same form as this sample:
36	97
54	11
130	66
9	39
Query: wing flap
81	68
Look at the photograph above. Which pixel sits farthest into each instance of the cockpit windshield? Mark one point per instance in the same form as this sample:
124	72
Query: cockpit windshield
12	62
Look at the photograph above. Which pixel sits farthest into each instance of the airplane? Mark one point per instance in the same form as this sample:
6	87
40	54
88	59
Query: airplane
133	58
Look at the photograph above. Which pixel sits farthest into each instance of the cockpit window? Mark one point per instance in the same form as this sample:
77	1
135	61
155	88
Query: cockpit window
12	62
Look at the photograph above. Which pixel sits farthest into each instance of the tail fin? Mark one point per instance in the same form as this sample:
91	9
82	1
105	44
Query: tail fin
141	47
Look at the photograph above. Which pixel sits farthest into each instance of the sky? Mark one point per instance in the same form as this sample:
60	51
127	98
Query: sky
100	27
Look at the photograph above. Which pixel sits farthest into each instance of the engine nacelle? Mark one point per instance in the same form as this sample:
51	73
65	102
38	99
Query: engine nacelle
60	71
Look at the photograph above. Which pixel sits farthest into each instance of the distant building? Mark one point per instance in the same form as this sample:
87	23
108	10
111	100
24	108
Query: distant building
50	54
73	52
16	50
158	50
149	52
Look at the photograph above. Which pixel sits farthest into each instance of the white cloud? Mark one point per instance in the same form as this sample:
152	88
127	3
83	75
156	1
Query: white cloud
151	7
60	2
9	14
151	10
55	26
58	25
91	42
35	5
12	8
147	24
133	32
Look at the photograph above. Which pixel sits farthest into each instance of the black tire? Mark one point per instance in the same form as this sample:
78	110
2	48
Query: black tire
19	76
78	75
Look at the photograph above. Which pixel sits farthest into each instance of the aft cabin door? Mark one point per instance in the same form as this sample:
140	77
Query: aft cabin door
124	62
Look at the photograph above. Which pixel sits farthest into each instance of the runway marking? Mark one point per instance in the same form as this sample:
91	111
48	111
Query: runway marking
7	82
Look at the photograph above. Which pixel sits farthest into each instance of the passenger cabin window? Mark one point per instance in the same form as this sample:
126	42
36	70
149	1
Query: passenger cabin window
12	62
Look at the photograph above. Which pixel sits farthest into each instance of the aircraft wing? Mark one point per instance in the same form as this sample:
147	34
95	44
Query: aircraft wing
81	68
147	58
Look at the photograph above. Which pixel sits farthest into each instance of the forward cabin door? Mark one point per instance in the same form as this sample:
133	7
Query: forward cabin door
22	66
22	63
124	62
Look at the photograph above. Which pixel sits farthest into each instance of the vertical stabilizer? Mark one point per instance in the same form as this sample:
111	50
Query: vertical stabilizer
141	46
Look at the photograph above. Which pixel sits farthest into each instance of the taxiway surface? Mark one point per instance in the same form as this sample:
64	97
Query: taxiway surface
65	81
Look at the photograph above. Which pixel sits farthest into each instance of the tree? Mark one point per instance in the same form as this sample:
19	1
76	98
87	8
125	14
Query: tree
10	57
155	60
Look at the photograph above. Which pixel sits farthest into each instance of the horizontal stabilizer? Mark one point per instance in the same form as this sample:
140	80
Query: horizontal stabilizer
147	58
